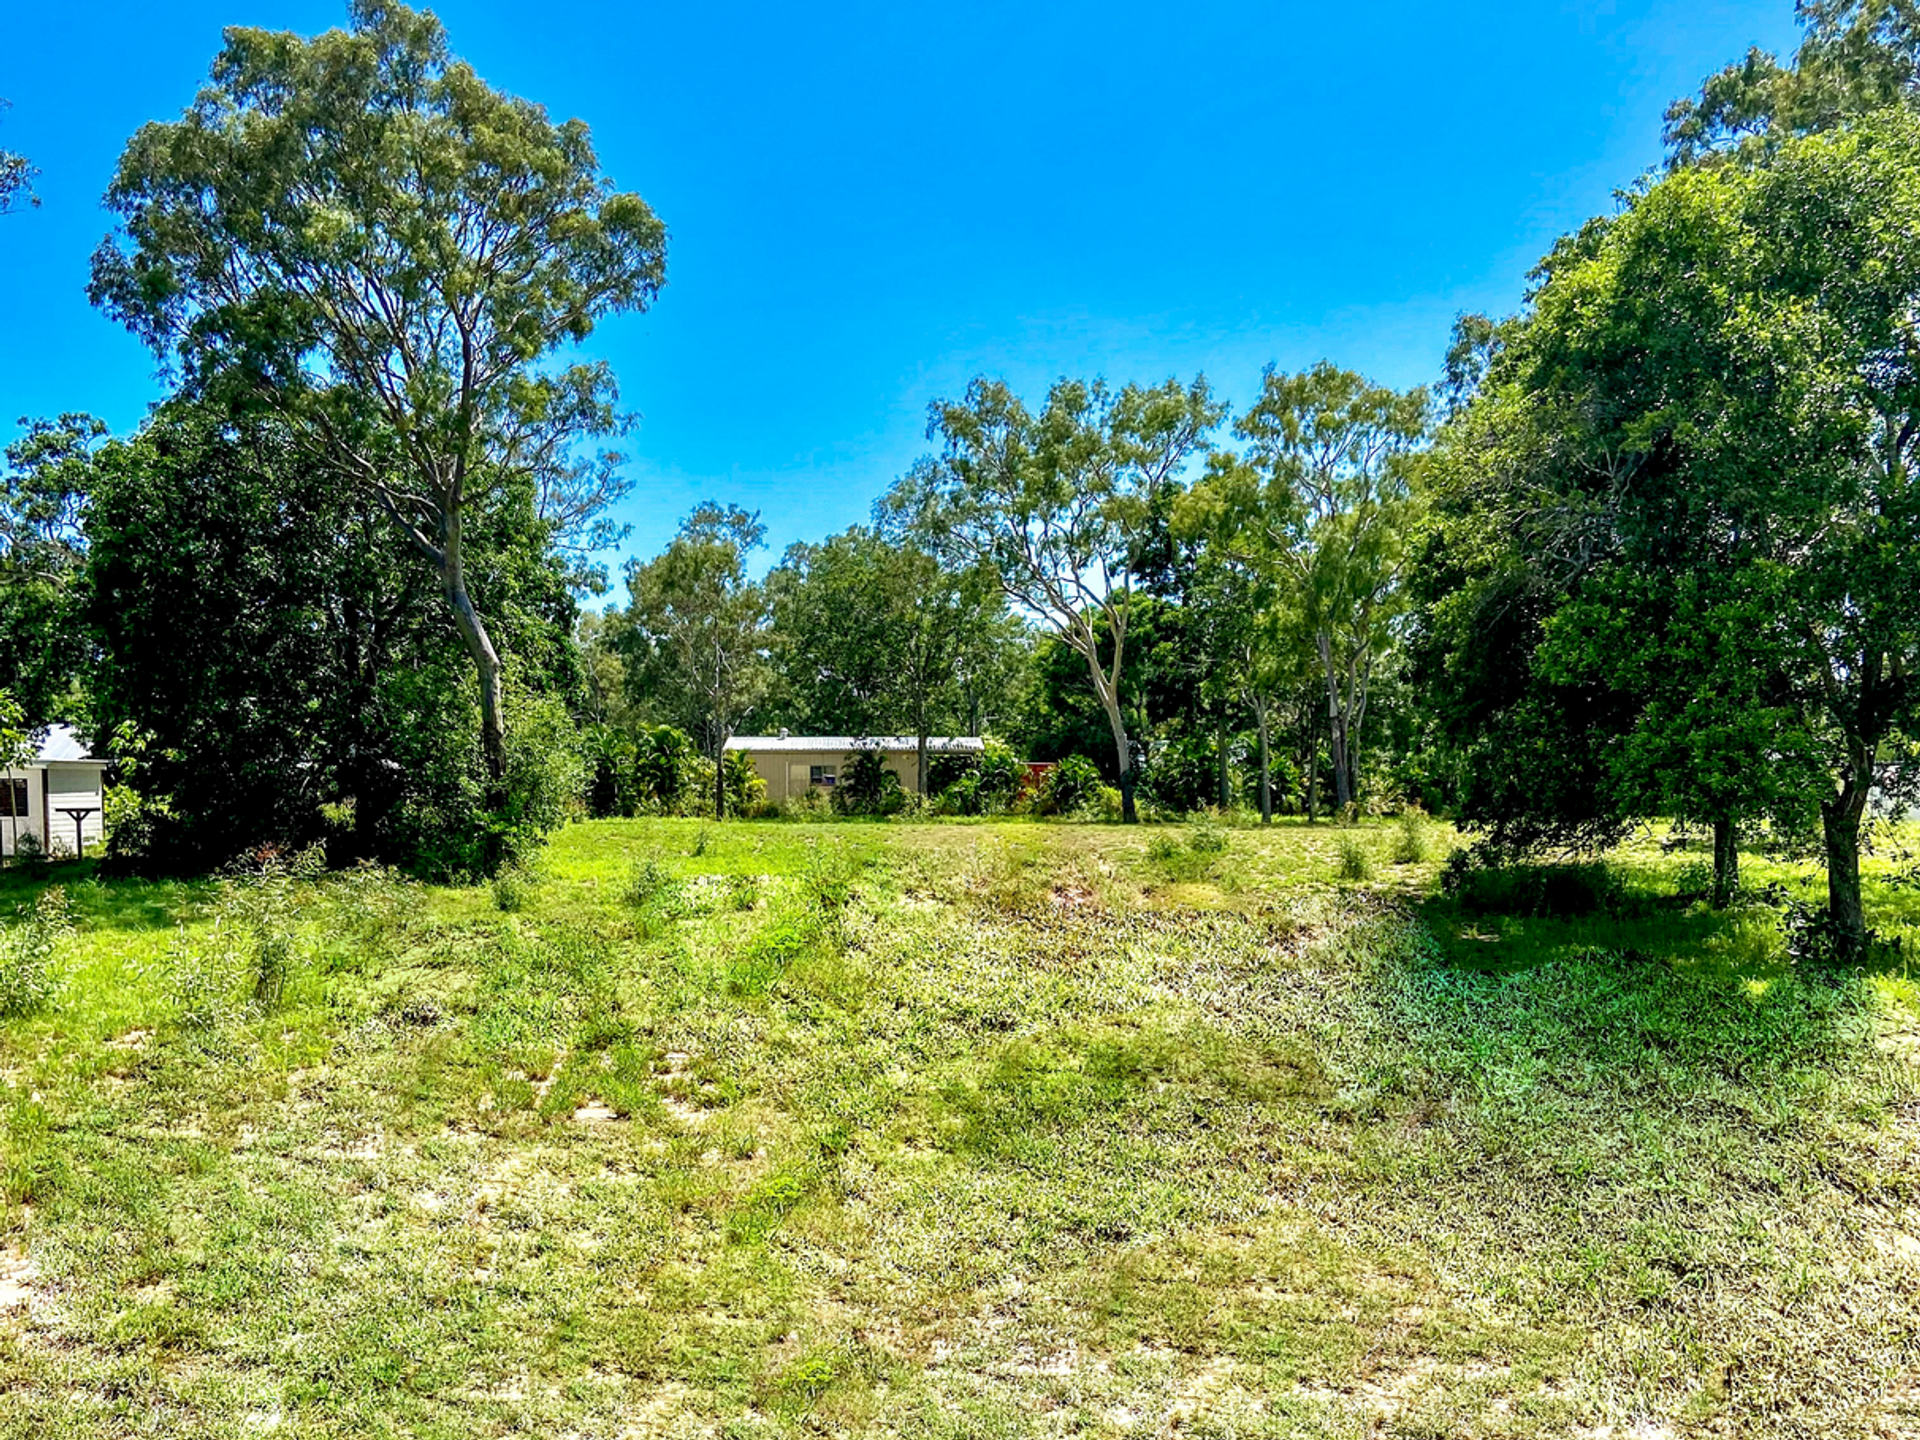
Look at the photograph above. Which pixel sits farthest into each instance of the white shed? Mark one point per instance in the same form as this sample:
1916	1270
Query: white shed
794	764
59	798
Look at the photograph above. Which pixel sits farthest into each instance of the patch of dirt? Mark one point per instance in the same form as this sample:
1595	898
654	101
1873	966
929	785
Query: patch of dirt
596	1112
132	1040
16	1276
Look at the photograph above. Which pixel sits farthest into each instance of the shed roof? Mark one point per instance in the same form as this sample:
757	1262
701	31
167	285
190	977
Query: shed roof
936	744
61	745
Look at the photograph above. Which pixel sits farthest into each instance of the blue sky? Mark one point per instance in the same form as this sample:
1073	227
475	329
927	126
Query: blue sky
869	204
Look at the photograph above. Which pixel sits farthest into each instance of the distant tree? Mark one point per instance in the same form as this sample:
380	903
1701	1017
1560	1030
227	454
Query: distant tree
696	627
1319	508
43	497
1053	505
17	751
1857	56
16	178
875	636
360	235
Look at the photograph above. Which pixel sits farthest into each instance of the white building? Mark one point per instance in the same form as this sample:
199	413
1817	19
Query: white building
794	764
58	798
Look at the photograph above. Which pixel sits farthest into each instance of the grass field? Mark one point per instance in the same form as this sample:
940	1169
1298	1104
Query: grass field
954	1130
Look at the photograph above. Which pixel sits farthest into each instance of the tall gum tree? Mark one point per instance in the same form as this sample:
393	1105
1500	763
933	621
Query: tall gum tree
358	232
1053	504
1319	506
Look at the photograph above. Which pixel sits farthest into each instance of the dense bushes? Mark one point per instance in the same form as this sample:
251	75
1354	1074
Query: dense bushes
1488	881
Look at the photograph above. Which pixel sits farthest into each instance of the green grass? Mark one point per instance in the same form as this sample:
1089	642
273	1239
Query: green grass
956	1130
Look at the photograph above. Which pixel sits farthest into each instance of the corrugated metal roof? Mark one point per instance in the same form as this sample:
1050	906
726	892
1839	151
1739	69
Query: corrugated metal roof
936	744
62	744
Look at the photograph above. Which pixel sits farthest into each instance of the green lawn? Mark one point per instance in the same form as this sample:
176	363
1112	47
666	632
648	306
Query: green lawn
955	1130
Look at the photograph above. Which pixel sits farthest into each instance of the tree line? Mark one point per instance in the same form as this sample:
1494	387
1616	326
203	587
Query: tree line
1643	549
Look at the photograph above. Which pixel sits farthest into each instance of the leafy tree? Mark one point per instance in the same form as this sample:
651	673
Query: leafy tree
1711	421
1053	505
1319	507
358	234
696	628
269	642
873	636
43	495
16	178
1857	56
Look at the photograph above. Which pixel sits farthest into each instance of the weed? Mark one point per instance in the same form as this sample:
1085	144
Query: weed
512	888
1412	839
27	949
651	885
743	891
1356	861
1208	836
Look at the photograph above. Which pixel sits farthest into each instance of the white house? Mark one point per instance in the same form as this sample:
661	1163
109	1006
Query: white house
794	764
58	798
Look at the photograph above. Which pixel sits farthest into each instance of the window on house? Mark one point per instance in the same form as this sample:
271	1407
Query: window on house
821	775
13	798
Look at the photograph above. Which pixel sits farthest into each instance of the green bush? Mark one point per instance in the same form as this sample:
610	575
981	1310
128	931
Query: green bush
511	891
1184	773
1491	882
982	784
867	786
26	952
650	884
1412	841
1069	786
1356	862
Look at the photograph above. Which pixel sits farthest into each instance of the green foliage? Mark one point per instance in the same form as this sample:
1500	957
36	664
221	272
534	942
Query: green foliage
28	945
1184	773
651	884
978	785
1413	839
1355	859
744	788
1069	786
669	773
867	787
1486	880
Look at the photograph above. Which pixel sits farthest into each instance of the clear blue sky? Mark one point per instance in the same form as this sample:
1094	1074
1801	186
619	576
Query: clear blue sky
871	203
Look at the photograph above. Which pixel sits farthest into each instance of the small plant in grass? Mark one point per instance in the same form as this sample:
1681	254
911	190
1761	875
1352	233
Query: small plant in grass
650	885
512	888
26	953
743	891
1355	861
829	881
1412	840
1208	836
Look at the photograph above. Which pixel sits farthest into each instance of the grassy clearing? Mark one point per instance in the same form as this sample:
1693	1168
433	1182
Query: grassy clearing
954	1130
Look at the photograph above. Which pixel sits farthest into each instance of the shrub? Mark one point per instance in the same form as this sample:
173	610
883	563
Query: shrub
867	786
667	771
26	952
1070	785
1184	773
650	883
1490	881
1209	836
746	791
1411	842
1355	861
511	891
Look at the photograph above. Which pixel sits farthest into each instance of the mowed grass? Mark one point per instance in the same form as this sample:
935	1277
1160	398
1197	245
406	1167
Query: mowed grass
957	1130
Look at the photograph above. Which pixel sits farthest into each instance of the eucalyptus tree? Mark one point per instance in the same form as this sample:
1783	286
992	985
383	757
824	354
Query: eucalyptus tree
1052	505
1856	56
1319	504
44	492
696	628
16	178
360	234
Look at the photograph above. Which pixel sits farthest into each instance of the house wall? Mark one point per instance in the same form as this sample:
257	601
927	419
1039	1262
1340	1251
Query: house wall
49	787
786	771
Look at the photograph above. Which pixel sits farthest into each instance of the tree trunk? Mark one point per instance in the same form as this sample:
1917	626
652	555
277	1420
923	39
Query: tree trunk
720	776
1726	862
1129	813
1220	754
486	661
922	738
1313	777
1266	762
1840	820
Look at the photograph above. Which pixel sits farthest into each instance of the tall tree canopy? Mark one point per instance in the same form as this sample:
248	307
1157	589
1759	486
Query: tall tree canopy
1053	504
1697	454
358	233
1320	505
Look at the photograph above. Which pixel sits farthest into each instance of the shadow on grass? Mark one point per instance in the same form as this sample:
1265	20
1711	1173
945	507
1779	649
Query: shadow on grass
101	902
